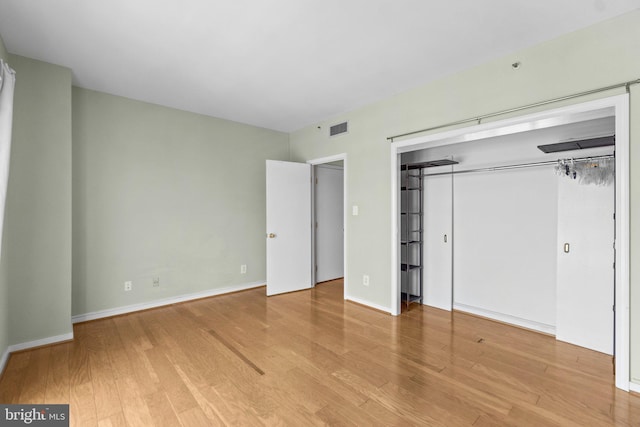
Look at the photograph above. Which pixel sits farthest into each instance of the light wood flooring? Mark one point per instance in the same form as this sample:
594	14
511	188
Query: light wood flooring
309	358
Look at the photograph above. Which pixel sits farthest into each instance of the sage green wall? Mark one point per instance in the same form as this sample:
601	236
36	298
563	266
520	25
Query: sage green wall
159	192
4	282
598	56
37	226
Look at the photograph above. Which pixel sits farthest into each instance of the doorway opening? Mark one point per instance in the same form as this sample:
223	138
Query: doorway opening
328	224
488	209
329	219
290	234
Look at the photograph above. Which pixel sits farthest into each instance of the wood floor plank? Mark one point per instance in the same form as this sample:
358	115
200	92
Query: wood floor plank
103	379
439	385
177	392
347	415
310	358
384	416
161	410
195	417
78	357
82	408
530	415
415	408
58	385
12	381
134	407
483	382
116	420
132	361
231	404
332	381
207	408
34	380
285	388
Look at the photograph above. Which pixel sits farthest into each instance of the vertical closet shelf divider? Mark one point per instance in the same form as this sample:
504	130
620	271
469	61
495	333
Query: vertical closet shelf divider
412	229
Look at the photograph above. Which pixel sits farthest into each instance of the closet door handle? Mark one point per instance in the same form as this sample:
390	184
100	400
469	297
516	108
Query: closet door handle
445	238
566	248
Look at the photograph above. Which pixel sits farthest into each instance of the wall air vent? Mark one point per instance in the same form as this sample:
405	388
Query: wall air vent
578	144
338	129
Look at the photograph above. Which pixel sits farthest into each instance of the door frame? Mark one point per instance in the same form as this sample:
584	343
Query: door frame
571	113
316	162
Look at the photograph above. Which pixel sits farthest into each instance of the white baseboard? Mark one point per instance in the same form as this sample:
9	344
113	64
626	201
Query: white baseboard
438	306
634	387
367	303
161	302
32	344
506	318
41	342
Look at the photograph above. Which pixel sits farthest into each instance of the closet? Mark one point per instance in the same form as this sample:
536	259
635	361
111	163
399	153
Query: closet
495	226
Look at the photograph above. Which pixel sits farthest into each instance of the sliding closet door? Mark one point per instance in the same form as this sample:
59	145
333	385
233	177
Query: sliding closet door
438	242
585	285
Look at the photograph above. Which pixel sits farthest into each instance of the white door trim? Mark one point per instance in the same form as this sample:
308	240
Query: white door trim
576	112
320	161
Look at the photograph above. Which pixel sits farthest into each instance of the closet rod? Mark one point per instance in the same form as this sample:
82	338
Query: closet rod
521	165
525	107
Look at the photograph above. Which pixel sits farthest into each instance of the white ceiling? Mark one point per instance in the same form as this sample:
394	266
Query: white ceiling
280	64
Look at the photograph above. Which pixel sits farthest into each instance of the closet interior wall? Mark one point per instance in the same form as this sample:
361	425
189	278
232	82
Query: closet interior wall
503	225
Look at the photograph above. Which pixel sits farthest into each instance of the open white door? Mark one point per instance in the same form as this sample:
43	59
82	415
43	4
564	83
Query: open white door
288	227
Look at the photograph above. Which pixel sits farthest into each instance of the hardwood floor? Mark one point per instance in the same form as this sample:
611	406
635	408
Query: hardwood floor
309	358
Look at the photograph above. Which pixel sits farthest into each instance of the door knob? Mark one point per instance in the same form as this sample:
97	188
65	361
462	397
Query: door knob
271	235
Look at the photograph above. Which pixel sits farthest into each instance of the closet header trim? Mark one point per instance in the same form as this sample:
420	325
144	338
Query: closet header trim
479	119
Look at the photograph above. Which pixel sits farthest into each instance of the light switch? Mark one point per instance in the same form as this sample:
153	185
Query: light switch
354	210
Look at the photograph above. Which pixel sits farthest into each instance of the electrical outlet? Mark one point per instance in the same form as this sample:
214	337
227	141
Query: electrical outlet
156	282
128	286
365	280
243	269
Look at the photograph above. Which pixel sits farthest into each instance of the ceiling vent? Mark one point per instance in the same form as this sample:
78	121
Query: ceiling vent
338	129
579	144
